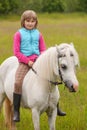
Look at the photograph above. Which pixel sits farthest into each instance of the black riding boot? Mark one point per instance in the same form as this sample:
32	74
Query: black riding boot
59	112
16	104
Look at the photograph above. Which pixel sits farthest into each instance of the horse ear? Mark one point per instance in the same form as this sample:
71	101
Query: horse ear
76	57
57	49
77	63
72	44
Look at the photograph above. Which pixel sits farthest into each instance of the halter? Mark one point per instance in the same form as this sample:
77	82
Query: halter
52	82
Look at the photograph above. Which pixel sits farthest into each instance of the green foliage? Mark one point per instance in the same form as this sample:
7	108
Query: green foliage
82	5
4	6
18	6
70	5
52	6
7	6
35	5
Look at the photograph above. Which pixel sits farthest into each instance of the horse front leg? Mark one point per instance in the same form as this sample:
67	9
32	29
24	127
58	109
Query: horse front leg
52	118
36	119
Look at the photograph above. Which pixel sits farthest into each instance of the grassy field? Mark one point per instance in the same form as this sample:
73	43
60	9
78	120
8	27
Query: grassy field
56	28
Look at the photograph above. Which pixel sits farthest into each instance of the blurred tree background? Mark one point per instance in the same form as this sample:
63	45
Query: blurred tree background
66	6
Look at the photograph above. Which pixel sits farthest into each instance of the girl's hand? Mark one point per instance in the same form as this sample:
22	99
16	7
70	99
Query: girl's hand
30	63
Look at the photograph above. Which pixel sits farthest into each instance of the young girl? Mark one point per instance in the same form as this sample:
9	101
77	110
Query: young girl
28	45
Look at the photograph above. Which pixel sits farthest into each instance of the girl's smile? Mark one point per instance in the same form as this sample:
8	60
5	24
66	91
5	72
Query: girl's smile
30	23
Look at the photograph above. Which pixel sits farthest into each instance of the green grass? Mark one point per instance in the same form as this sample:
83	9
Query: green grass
56	28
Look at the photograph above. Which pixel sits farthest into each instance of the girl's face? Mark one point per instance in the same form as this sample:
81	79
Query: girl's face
30	23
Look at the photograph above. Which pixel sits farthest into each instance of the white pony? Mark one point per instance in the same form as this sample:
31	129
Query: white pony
39	91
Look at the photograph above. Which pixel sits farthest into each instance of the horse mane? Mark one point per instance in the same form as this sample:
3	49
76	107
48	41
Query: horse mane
45	62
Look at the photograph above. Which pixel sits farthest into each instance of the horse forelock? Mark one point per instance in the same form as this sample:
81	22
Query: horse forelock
63	48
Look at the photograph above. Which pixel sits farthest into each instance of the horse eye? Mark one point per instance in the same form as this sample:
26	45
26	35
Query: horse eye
71	54
63	66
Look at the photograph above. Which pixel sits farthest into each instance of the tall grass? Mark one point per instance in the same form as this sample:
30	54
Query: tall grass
56	28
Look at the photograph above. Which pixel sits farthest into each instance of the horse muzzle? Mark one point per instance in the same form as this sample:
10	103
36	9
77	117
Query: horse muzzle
71	87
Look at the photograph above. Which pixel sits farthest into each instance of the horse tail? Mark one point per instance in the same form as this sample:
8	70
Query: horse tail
2	95
8	113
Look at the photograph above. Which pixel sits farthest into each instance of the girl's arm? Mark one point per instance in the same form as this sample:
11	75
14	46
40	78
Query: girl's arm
42	45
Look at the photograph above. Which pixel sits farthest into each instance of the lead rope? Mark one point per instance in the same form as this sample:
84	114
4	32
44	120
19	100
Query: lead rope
49	96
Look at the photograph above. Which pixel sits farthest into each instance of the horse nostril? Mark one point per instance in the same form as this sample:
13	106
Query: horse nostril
72	89
69	85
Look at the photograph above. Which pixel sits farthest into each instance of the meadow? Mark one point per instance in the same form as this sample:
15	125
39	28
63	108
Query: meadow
56	29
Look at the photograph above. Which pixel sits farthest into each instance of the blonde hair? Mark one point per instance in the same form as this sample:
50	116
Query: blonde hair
28	14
